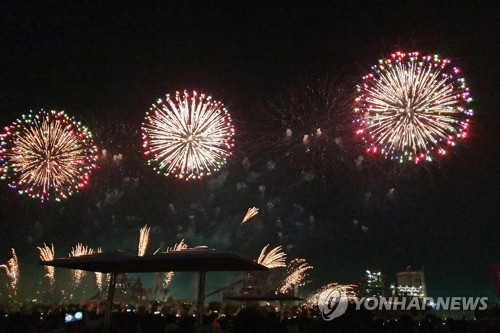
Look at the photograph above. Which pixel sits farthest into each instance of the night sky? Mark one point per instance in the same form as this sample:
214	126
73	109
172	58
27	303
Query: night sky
106	62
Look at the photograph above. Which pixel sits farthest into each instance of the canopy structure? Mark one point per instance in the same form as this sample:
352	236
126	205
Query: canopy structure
200	260
190	260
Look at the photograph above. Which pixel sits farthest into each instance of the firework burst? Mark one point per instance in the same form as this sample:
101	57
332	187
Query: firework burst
182	245
47	155
323	294
12	271
47	254
272	259
167	279
413	107
143	240
118	140
297	271
77	251
188	136
308	127
251	212
99	277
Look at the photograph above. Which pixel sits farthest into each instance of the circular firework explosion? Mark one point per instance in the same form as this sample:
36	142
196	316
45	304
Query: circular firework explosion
413	107
188	136
47	155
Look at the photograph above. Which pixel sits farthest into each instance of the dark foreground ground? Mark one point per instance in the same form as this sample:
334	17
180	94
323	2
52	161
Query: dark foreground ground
249	320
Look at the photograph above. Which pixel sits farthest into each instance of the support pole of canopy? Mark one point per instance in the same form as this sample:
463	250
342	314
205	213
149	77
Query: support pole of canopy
201	301
109	303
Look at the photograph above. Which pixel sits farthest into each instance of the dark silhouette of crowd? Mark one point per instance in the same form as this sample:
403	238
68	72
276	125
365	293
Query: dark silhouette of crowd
251	319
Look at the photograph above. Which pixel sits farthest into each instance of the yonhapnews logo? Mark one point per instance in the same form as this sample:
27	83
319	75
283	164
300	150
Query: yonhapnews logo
333	304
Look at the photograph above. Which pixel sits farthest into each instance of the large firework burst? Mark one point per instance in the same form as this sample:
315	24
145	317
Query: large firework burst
413	107
188	136
47	155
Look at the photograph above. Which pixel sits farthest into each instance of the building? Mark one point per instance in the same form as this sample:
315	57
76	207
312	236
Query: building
410	283
373	284
250	285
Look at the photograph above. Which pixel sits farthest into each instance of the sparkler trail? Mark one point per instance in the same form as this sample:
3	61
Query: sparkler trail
143	240
99	277
79	250
170	275
251	212
297	274
272	259
12	271
47	254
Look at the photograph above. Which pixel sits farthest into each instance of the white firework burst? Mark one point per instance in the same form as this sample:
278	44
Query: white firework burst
323	295
47	254
297	273
77	251
143	240
272	259
188	136
167	278
413	107
12	271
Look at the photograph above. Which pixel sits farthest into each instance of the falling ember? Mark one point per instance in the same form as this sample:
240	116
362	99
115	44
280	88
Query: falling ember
47	254
170	275
297	274
99	277
47	155
272	259
305	126
182	245
167	279
143	240
12	271
188	136
413	107
324	294
251	212
77	251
